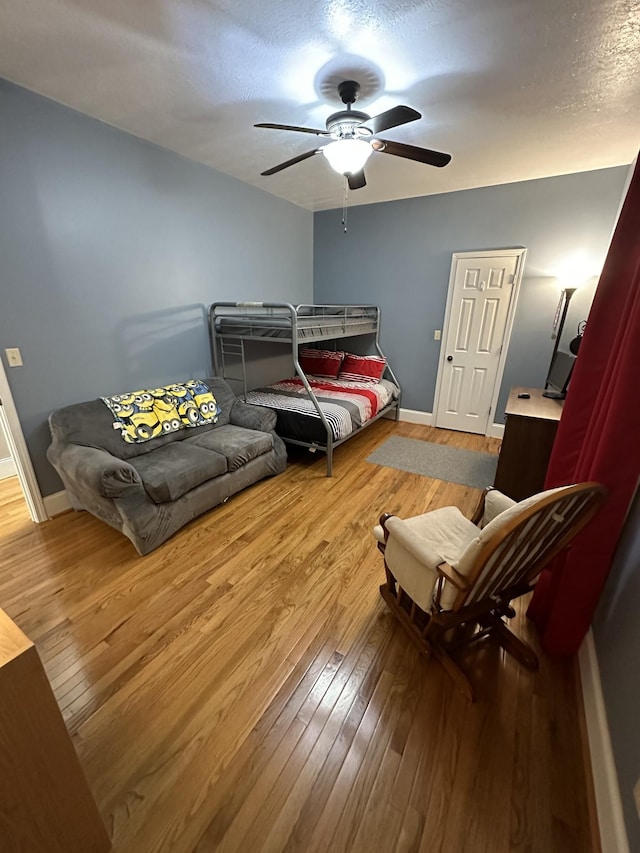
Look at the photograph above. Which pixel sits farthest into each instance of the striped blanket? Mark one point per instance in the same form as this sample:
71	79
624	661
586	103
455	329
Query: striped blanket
345	405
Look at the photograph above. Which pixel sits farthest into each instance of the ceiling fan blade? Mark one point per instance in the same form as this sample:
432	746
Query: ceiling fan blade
391	118
356	180
294	127
412	152
291	162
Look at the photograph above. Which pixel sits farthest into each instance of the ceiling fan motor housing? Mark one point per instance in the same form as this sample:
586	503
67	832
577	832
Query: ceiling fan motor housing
346	123
348	91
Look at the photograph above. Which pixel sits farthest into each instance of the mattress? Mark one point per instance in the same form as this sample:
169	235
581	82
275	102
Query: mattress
319	326
347	406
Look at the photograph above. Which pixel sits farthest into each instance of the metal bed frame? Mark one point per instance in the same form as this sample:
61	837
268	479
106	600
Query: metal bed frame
231	324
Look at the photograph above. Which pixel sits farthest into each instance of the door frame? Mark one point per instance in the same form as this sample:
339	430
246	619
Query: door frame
518	252
19	451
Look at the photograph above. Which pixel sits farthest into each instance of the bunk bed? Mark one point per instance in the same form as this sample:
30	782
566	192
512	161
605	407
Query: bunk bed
312	411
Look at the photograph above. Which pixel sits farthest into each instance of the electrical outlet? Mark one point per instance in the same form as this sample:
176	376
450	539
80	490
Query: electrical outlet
636	795
14	358
436	335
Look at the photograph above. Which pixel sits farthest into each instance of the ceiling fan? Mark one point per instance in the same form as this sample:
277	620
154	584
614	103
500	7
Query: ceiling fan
355	136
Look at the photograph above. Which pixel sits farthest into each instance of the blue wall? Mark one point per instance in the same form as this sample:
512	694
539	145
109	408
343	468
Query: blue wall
111	249
398	255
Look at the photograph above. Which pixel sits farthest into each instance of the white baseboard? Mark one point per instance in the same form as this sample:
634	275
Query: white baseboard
7	468
56	503
613	833
412	416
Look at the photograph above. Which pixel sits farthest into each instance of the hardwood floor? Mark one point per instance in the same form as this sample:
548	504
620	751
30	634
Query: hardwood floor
243	688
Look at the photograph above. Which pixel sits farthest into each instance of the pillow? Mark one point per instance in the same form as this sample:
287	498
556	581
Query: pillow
321	362
362	368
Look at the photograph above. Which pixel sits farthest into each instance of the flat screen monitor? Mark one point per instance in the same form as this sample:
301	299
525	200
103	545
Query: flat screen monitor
559	375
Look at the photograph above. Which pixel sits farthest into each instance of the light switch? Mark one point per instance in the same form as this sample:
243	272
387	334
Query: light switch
436	335
14	358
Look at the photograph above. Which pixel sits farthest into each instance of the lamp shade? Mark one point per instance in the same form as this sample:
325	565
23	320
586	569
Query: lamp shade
347	155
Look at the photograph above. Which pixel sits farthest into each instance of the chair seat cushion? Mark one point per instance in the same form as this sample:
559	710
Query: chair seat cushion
237	444
171	471
433	538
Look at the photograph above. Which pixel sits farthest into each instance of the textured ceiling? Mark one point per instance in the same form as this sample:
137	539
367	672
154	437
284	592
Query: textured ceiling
512	89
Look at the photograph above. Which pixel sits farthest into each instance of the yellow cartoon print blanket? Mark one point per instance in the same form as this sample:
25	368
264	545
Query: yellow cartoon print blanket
145	414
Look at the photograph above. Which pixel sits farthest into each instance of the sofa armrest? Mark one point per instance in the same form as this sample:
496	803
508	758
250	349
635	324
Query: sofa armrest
95	469
252	417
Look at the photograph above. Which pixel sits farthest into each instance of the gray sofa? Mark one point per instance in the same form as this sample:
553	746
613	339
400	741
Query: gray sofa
150	490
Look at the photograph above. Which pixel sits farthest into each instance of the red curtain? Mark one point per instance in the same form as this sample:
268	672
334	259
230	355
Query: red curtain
598	438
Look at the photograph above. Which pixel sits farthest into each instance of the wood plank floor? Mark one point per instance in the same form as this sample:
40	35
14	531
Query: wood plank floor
243	688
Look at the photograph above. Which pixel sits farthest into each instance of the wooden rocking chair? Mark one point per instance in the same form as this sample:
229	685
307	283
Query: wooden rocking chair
450	581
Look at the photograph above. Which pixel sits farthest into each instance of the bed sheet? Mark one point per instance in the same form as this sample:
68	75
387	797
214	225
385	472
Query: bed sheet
346	406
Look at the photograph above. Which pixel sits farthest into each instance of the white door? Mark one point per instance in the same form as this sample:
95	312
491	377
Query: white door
479	315
19	452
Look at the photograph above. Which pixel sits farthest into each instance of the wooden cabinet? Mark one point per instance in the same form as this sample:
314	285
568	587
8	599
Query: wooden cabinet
529	433
45	803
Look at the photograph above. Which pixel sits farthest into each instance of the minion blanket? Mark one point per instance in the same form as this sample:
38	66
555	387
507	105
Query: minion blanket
146	414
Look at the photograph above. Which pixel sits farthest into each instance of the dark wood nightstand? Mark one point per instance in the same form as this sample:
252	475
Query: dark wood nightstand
529	433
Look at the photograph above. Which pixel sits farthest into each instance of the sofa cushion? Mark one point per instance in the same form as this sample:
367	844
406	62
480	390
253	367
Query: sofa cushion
169	472
237	444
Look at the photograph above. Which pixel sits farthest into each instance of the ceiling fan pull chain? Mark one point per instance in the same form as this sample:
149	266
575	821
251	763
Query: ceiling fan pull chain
345	204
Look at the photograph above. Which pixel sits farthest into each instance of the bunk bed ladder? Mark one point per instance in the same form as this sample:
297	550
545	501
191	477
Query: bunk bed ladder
233	348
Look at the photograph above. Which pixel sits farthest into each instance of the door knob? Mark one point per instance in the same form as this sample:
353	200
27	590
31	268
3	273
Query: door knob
449	358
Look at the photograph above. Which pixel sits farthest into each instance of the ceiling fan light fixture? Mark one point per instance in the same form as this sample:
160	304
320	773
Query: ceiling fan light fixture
347	156
354	135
